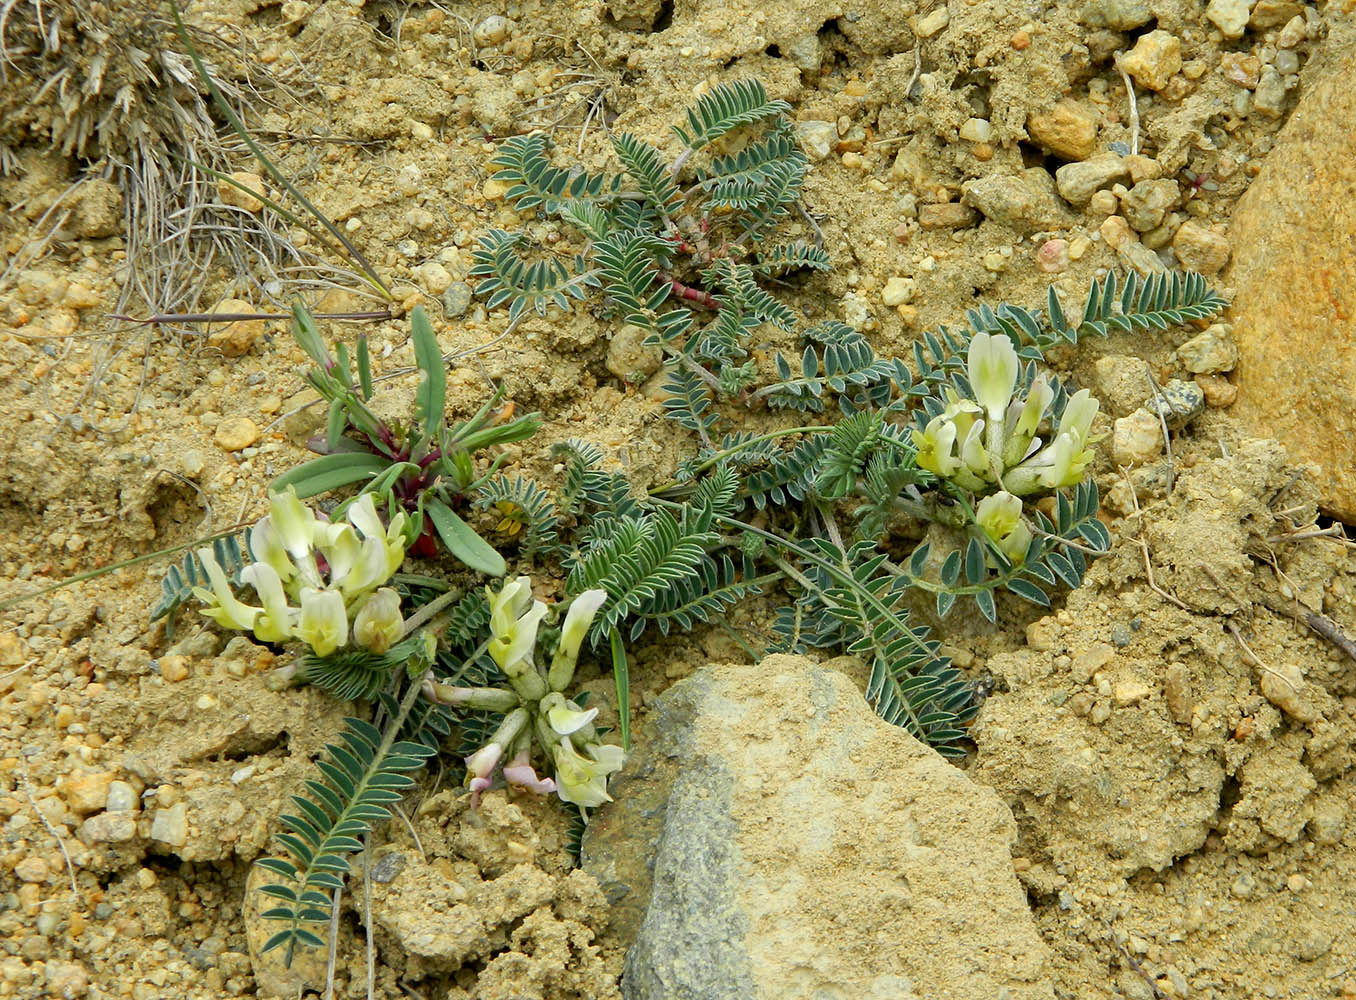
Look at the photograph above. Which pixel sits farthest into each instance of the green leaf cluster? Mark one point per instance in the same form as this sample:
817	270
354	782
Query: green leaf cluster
679	251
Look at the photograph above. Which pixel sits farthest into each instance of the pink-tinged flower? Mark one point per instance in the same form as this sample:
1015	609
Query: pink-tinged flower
520	774
479	785
482	763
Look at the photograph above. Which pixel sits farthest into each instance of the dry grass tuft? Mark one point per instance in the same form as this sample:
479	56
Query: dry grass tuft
109	86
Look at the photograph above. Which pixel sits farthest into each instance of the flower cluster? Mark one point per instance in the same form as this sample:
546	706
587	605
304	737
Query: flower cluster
991	441
535	705
313	577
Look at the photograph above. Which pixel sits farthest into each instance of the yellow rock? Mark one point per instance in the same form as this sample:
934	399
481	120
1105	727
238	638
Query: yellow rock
1154	59
236	433
86	793
232	195
1069	130
235	338
1294	314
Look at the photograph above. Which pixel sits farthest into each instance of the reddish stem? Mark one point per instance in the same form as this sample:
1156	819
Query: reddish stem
692	294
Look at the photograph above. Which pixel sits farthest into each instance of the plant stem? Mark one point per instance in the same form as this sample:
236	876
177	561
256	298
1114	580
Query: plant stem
770	436
621	674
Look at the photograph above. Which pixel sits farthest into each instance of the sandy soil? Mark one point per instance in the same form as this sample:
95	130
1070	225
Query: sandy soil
1184	815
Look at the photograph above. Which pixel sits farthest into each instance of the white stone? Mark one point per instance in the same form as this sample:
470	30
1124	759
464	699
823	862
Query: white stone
1230	16
491	31
898	290
1136	439
433	276
817	138
976	130
170	826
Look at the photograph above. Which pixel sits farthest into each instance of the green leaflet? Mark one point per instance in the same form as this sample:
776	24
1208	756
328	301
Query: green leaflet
463	542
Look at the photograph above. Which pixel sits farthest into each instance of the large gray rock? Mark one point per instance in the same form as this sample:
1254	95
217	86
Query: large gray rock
773	838
1294	242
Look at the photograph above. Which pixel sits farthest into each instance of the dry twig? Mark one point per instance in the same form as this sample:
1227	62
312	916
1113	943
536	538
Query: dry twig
1144	546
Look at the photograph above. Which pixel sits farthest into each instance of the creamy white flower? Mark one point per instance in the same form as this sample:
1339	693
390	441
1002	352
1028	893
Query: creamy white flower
277	620
378	625
565	717
992	367
577	621
583	779
323	623
223	607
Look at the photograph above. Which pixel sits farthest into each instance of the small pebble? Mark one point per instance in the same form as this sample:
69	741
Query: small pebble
1269	97
630	358
235	338
433	277
1293	33
234	196
32	869
1219	391
1131	692
491	31
109	828
1210	352
1148	202
1230	16
1068	130
1200	247
1177	692
976	130
1284	686
456	299
1077	182
1243	69
236	433
174	668
122	797
932	22
170	826
948	216
817	138
898	290
86	793
1154	59
1178	402
1053	256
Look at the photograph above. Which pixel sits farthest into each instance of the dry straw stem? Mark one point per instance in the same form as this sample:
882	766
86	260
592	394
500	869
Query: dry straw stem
108	87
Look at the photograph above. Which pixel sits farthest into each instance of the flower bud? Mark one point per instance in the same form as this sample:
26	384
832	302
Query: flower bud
577	621
1000	518
1078	415
378	625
